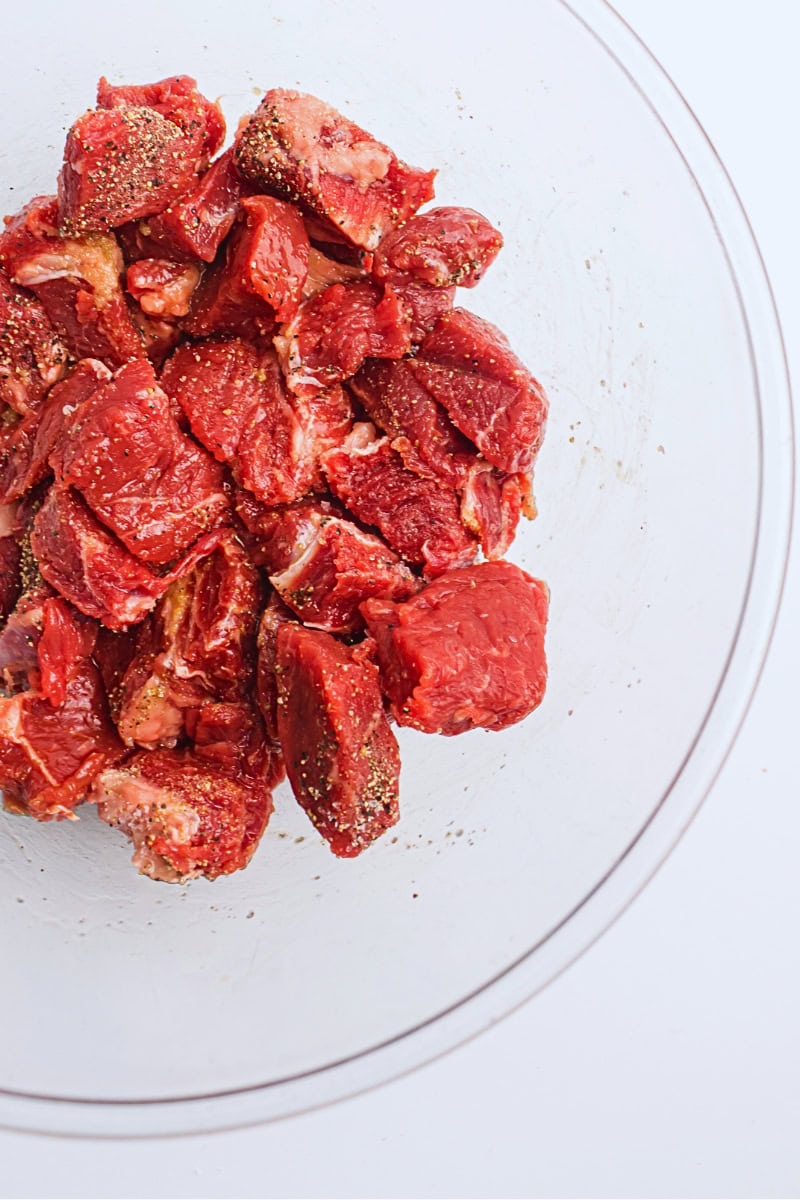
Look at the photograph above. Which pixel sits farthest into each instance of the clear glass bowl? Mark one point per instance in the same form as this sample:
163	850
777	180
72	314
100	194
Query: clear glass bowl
632	285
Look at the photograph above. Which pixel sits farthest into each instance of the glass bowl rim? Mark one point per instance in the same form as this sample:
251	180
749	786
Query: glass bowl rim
499	996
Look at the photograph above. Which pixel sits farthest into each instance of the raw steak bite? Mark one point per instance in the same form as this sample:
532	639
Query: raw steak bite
25	448
196	225
491	505
32	356
274	615
19	639
465	652
77	281
10	582
273	534
49	754
392	398
419	517
199	645
341	756
334	566
177	100
121	164
309	153
235	398
334	331
67	640
422	304
441	247
162	288
92	569
138	471
185	817
468	366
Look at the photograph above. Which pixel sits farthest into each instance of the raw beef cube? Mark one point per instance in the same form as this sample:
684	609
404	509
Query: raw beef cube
334	331
274	533
274	615
77	281
32	356
178	100
468	366
491	505
113	653
441	247
308	152
235	398
140	474
67	640
49	754
196	225
465	652
237	405
185	817
400	406
162	288
92	569
10	554
423	305
419	517
341	756
333	569
199	644
260	279
25	448
120	165
230	736
19	639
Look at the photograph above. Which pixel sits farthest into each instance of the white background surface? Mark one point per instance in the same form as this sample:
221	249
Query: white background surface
667	1061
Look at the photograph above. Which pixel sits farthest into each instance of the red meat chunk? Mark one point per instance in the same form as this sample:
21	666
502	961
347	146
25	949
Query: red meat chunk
419	517
274	533
92	569
26	446
422	304
274	615
196	225
236	401
491	505
468	366
113	653
309	153
199	645
465	652
140	474
162	288
336	330
67	640
260	279
121	164
19	639
49	754
441	247
178	100
77	281
341	756
334	566
393	398
32	356
10	582
185	816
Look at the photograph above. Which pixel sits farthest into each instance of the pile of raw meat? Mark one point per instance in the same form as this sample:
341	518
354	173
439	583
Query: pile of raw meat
250	454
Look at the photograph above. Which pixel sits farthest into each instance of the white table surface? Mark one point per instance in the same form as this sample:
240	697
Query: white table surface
666	1062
